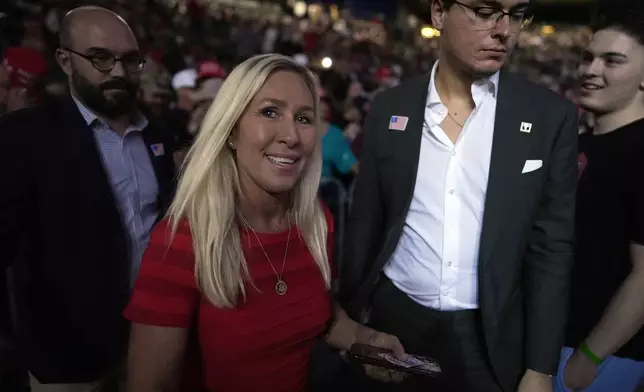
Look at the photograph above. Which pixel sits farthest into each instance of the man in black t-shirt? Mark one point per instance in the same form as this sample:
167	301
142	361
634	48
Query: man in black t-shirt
605	340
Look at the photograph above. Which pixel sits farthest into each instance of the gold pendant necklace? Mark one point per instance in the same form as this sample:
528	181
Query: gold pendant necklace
280	287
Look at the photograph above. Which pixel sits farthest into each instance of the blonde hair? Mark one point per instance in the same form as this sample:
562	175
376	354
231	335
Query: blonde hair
209	187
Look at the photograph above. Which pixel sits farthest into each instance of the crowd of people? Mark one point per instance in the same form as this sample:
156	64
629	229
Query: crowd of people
187	46
164	165
190	49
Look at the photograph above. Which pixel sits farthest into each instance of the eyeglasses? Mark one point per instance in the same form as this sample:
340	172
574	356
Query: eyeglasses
105	61
486	18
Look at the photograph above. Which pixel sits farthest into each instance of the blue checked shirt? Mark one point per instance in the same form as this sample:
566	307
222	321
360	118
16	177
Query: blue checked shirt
132	179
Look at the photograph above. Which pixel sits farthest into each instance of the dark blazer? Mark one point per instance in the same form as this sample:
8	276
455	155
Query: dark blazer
528	225
61	232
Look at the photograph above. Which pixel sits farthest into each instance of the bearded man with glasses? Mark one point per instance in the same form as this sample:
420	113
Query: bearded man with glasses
461	235
86	178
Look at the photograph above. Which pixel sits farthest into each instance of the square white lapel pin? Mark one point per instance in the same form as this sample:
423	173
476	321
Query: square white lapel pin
157	149
526	127
398	123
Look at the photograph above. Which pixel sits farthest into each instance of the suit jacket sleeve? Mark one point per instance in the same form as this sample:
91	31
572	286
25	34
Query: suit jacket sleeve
16	202
366	221
549	257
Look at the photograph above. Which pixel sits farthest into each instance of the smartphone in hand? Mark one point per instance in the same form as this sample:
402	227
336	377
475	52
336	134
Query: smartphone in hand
414	364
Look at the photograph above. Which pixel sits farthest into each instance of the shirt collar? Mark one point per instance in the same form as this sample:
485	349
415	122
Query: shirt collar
139	123
489	84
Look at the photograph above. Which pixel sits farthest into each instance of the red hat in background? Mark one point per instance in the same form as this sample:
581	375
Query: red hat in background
384	72
24	64
211	70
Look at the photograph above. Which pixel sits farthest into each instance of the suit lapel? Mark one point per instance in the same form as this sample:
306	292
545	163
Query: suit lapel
84	154
413	108
84	149
510	149
160	154
157	151
400	151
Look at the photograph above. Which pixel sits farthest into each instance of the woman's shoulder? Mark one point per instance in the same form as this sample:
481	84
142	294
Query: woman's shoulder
171	245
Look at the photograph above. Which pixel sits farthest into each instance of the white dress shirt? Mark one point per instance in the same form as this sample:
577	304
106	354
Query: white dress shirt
435	262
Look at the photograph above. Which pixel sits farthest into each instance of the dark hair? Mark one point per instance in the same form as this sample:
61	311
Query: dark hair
328	101
627	22
449	3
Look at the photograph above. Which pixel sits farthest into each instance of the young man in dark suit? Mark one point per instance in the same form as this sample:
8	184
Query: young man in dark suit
85	179
461	233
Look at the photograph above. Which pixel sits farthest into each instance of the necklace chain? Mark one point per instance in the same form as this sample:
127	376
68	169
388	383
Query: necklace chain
453	119
280	286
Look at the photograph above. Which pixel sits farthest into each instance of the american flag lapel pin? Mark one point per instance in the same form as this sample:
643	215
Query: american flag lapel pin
398	123
157	149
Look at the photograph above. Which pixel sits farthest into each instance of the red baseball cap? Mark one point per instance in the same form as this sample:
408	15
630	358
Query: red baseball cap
211	69
383	72
25	64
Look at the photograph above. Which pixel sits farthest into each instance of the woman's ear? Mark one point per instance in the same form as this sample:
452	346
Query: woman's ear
232	138
231	144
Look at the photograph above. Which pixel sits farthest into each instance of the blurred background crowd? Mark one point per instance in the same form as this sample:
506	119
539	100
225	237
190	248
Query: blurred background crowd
357	48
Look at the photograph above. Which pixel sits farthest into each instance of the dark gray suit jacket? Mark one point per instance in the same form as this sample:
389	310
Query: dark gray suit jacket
526	250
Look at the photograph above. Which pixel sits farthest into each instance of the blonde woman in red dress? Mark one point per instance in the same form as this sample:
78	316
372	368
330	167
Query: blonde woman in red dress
244	256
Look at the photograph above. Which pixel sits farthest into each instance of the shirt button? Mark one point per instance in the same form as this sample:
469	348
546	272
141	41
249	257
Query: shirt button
445	293
452	191
453	153
449	263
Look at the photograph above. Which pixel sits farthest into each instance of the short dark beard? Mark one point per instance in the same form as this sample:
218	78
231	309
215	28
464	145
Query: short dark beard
119	104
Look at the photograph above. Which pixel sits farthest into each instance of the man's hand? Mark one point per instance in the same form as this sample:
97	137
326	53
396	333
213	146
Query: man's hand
344	332
535	382
374	338
579	371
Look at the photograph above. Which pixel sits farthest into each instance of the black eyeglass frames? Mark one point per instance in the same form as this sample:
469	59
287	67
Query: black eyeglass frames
105	61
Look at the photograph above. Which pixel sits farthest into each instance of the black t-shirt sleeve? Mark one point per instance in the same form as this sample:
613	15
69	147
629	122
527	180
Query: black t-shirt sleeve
636	199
